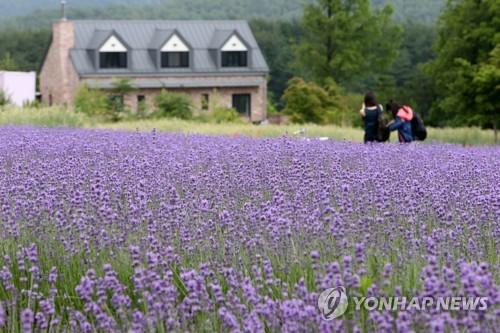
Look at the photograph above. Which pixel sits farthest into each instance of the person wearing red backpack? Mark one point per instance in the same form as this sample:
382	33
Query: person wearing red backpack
403	115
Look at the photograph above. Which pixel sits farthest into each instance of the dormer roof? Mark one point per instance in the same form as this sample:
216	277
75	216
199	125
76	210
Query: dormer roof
234	43
221	38
110	37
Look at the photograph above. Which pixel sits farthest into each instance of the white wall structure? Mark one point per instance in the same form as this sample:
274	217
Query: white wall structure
175	44
20	87
234	44
113	45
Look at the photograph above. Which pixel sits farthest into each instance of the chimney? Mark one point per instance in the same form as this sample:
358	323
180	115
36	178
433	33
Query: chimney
58	77
63	40
63	10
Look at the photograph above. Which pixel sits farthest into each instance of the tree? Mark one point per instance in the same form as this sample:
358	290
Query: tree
276	40
425	11
345	40
307	102
24	47
122	86
466	70
173	105
91	102
7	63
4	98
487	85
405	81
44	11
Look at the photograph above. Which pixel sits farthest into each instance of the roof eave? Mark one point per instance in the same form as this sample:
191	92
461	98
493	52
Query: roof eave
262	72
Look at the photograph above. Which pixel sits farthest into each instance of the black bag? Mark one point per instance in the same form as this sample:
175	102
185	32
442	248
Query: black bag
418	127
383	133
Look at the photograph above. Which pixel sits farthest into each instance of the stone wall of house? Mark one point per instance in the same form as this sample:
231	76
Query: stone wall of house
217	96
58	78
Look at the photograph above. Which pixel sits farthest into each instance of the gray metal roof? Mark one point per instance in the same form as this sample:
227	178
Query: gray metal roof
141	36
99	38
160	37
219	37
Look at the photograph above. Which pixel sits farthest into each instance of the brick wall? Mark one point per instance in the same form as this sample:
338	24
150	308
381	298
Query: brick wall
220	96
58	78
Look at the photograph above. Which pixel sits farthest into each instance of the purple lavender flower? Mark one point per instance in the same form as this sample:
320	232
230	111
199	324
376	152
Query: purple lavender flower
3	318
228	319
53	275
240	234
27	320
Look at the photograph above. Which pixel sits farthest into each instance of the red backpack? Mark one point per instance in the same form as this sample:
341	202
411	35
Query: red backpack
406	113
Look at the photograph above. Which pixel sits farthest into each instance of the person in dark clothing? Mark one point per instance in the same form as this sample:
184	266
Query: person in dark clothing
370	113
403	116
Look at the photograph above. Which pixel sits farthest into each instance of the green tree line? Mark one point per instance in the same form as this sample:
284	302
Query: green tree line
466	71
421	10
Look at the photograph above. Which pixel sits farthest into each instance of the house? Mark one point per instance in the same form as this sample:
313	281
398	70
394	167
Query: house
204	59
19	87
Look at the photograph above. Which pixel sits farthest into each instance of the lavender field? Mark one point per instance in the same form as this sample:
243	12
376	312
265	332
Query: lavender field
104	231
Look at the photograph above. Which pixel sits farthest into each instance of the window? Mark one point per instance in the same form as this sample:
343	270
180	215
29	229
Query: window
141	99
113	60
174	59
235	59
241	102
205	102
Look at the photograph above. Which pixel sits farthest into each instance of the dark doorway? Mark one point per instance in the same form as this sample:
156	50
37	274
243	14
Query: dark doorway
242	104
205	102
141	104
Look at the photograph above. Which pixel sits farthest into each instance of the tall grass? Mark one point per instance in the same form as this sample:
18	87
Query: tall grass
239	129
63	117
463	136
48	117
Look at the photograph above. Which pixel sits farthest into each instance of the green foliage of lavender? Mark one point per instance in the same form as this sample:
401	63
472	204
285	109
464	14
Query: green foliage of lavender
145	232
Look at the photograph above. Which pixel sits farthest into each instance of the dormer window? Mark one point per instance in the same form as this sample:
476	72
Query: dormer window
234	53
234	59
175	59
109	60
175	53
113	54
